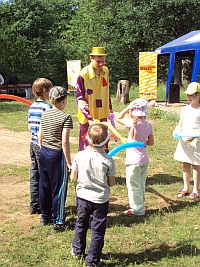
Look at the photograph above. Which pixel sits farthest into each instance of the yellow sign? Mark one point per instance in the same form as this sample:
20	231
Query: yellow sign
148	75
73	70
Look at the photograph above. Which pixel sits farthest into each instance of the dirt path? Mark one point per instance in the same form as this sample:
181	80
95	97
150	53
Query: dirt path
14	190
174	108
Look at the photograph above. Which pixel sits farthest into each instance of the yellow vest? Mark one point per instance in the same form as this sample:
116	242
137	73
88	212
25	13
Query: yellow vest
96	93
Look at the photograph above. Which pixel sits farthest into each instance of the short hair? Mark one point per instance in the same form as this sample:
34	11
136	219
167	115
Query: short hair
59	100
97	133
39	85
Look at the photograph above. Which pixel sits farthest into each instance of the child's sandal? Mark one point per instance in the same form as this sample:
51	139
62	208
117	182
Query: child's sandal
193	196
182	193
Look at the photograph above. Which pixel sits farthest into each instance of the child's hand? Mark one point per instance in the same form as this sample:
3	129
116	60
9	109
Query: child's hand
176	135
131	105
189	140
69	167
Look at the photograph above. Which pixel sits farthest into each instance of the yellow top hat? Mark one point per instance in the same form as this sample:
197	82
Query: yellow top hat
98	51
193	88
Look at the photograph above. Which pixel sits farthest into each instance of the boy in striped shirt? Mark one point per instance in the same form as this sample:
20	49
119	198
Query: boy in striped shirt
40	89
55	160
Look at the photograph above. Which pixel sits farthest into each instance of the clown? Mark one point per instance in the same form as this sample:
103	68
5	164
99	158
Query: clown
93	95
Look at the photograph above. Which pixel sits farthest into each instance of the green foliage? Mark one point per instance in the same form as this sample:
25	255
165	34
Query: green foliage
156	113
37	37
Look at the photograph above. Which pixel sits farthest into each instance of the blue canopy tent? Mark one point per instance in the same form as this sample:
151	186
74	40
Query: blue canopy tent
186	43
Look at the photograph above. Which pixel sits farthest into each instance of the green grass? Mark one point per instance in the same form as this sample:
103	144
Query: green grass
168	235
161	92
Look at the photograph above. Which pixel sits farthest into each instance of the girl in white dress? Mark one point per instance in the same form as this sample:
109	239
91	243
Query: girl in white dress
188	149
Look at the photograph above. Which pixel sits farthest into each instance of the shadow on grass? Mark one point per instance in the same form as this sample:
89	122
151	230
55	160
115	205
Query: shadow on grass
154	254
161	179
117	217
172	206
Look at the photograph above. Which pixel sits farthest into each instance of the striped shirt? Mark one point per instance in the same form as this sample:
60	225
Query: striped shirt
52	123
93	166
34	115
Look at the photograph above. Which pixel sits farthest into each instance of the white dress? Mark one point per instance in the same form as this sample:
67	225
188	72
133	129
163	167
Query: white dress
189	152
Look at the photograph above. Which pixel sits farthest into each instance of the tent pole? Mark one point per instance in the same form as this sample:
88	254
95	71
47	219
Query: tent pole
196	66
170	73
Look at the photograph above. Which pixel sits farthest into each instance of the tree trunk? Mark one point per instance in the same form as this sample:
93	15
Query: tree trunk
186	71
177	70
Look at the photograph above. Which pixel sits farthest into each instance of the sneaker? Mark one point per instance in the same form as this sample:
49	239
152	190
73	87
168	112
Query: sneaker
58	228
44	222
77	256
35	210
128	207
128	212
100	264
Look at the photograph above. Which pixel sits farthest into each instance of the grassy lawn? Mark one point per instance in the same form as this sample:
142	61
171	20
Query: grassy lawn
168	235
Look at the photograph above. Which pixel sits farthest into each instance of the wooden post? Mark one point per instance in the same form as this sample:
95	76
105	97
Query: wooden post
123	91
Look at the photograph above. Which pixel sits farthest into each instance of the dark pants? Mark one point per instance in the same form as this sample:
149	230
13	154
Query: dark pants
98	226
53	184
34	175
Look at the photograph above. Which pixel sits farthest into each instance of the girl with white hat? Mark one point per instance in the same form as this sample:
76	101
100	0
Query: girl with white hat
188	149
137	160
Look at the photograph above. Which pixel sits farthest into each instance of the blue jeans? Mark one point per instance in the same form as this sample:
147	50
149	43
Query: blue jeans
34	175
98	226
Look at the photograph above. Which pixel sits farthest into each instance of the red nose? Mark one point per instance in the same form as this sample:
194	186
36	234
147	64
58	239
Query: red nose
101	64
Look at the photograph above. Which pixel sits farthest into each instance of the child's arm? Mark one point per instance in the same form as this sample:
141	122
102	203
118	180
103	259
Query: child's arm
66	146
121	115
40	136
180	123
150	140
74	176
111	180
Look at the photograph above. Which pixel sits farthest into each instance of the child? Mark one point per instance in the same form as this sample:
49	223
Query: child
95	172
40	89
137	159
54	154
188	149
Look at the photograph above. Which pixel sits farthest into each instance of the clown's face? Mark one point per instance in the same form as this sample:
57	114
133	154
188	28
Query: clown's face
97	61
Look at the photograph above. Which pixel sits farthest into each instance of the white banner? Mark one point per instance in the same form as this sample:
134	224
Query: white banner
73	70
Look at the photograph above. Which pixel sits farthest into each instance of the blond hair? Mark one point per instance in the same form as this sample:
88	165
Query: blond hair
131	135
39	85
97	133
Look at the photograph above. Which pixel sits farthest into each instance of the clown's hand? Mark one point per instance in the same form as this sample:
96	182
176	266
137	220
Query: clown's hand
111	119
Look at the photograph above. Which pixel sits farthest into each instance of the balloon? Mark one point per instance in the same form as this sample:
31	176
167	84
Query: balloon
110	127
16	98
178	135
124	146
